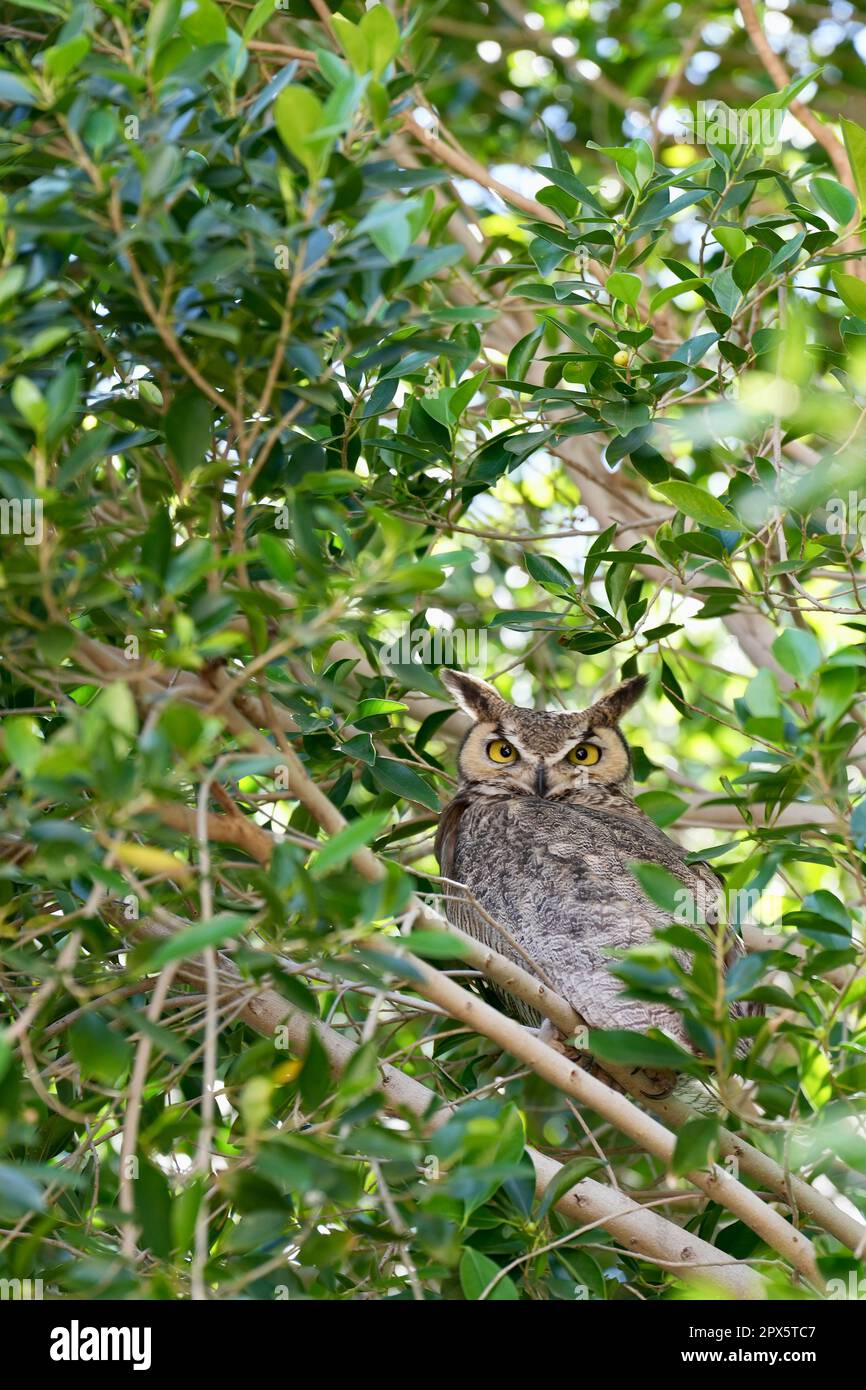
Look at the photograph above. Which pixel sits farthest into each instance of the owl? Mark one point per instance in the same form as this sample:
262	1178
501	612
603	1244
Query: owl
541	834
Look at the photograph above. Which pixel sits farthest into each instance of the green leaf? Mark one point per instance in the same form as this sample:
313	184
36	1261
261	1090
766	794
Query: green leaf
11	281
672	291
16	91
361	747
22	742
662	807
30	403
381	37
852	1079
162	172
435	945
523	354
701	506
762	695
116	707
164	1039
188	424
225	926
352	41
625	1048
19	1193
161	23
261	12
189	565
797	652
624	287
780	100
549	573
61	398
362	1076
725	290
732	239
851	291
388	225
395	777
635	161
827	905
855	144
369	708
340	847
278	558
697	1145
745	973
153	1210
100	1052
835	199
204	23
750	267
61	59
858	824
314	1080
299	118
663	887
476	1272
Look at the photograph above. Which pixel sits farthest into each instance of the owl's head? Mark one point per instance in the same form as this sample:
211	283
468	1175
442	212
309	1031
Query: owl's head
511	751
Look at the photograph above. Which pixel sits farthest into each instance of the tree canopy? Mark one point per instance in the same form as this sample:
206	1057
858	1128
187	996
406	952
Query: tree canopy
338	343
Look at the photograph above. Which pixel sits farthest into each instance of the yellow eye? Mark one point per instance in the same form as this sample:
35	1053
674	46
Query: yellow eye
584	754
501	752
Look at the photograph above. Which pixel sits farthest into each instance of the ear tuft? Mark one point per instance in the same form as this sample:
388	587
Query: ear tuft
478	699
611	708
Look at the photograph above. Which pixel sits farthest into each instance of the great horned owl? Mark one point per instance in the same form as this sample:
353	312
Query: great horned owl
541	833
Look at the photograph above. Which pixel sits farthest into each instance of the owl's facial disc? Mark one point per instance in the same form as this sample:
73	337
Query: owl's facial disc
510	751
502	760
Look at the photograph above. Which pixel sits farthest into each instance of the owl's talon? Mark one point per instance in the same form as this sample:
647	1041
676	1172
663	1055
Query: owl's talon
549	1033
666	1081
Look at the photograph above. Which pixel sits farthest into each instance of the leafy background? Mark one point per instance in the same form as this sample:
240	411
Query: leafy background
319	325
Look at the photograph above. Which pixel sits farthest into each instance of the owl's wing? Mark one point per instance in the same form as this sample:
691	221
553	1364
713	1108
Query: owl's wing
445	844
556	876
459	909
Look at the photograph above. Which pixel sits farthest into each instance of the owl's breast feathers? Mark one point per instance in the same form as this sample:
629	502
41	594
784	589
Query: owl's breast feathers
555	875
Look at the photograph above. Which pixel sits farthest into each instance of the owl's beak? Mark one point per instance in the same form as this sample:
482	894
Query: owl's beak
540	780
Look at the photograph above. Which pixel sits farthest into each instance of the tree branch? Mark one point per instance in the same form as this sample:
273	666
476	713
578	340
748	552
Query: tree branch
778	72
647	1233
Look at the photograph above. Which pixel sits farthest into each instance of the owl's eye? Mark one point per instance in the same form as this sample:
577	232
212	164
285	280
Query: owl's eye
501	752
584	754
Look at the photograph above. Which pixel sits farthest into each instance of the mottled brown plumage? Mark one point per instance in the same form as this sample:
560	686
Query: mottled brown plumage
541	834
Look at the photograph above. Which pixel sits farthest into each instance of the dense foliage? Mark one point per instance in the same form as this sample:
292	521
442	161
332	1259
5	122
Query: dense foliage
441	323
